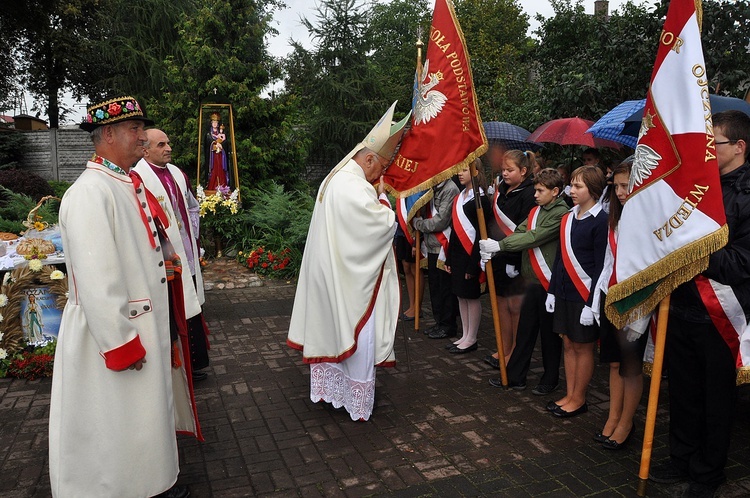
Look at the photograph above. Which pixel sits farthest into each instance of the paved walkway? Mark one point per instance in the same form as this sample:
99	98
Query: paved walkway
438	430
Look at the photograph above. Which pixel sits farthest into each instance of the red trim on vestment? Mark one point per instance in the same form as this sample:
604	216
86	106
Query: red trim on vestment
535	264
504	227
362	321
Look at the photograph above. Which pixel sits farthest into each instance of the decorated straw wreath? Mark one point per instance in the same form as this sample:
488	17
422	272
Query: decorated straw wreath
14	287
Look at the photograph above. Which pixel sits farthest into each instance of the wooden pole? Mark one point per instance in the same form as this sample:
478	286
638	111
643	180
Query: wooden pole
490	279
417	280
418	253
653	395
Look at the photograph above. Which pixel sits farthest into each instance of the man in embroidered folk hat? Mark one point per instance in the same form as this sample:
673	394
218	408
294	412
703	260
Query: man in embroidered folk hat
118	394
171	187
346	306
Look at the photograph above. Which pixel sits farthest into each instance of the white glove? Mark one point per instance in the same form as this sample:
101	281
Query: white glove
587	316
415	222
489	246
485	256
511	271
636	329
549	304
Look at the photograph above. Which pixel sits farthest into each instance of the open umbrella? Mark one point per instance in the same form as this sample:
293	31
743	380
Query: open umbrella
509	135
570	131
719	103
610	125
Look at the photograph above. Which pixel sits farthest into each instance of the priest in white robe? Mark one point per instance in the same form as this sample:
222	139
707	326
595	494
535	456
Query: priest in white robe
347	301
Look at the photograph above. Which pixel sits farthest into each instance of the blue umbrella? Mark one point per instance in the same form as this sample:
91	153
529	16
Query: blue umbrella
719	103
610	126
509	135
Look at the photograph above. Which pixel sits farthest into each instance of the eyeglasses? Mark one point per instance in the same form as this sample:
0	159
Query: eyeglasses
726	142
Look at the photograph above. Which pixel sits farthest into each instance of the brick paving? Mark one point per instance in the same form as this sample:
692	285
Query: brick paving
438	429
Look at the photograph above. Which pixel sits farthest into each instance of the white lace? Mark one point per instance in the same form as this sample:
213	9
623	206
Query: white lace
329	383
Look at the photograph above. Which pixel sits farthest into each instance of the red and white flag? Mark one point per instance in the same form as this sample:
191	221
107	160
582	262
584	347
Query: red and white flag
674	217
446	131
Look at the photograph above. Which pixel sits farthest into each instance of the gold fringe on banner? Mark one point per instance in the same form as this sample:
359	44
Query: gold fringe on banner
672	270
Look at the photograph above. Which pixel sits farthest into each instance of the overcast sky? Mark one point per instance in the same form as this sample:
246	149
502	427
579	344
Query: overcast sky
287	22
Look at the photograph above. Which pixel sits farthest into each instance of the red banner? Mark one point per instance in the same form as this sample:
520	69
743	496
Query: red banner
446	130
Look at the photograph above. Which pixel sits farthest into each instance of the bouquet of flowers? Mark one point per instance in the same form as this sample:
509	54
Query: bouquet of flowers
219	215
222	200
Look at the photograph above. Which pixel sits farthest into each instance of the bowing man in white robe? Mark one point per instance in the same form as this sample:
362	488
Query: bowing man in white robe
347	301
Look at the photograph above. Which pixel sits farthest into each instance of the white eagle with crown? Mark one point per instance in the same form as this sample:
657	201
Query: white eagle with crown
428	102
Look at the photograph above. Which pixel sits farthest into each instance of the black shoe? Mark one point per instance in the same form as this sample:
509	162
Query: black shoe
442	333
450	345
600	438
700	490
457	350
198	375
667	473
498	382
175	492
543	389
560	413
492	361
611	444
430	330
551	406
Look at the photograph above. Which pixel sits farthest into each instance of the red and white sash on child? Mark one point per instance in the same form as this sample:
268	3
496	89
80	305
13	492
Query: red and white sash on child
465	231
612	247
442	237
506	224
401	214
541	269
580	278
727	316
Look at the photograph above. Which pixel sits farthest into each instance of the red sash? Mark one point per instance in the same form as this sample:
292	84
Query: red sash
541	269
442	237
506	224
580	278
465	231
612	237
726	314
401	216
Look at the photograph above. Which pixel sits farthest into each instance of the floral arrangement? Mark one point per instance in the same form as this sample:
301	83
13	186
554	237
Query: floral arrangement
223	199
266	262
219	214
30	363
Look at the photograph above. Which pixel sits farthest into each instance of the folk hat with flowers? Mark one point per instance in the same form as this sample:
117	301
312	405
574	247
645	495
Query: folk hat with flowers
113	111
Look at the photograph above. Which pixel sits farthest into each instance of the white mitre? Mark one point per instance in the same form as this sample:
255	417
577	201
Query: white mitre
383	139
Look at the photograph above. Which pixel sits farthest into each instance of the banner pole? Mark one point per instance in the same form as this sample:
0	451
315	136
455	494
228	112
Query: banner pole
490	279
653	394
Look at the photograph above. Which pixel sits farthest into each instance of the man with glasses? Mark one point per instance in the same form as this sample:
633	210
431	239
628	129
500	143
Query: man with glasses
347	301
702	367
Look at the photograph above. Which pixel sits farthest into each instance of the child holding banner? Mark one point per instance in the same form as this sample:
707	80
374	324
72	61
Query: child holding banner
462	261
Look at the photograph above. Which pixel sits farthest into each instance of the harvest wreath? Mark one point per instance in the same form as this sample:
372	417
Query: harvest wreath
14	287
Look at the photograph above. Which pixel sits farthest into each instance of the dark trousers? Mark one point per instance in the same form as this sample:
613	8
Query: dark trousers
534	320
444	303
198	339
702	395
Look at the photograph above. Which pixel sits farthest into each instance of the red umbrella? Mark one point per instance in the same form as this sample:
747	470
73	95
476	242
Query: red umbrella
569	131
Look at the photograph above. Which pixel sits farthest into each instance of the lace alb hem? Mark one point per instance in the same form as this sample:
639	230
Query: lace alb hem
329	383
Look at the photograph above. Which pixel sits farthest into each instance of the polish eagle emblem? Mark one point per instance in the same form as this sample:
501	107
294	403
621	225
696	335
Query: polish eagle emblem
645	162
428	102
